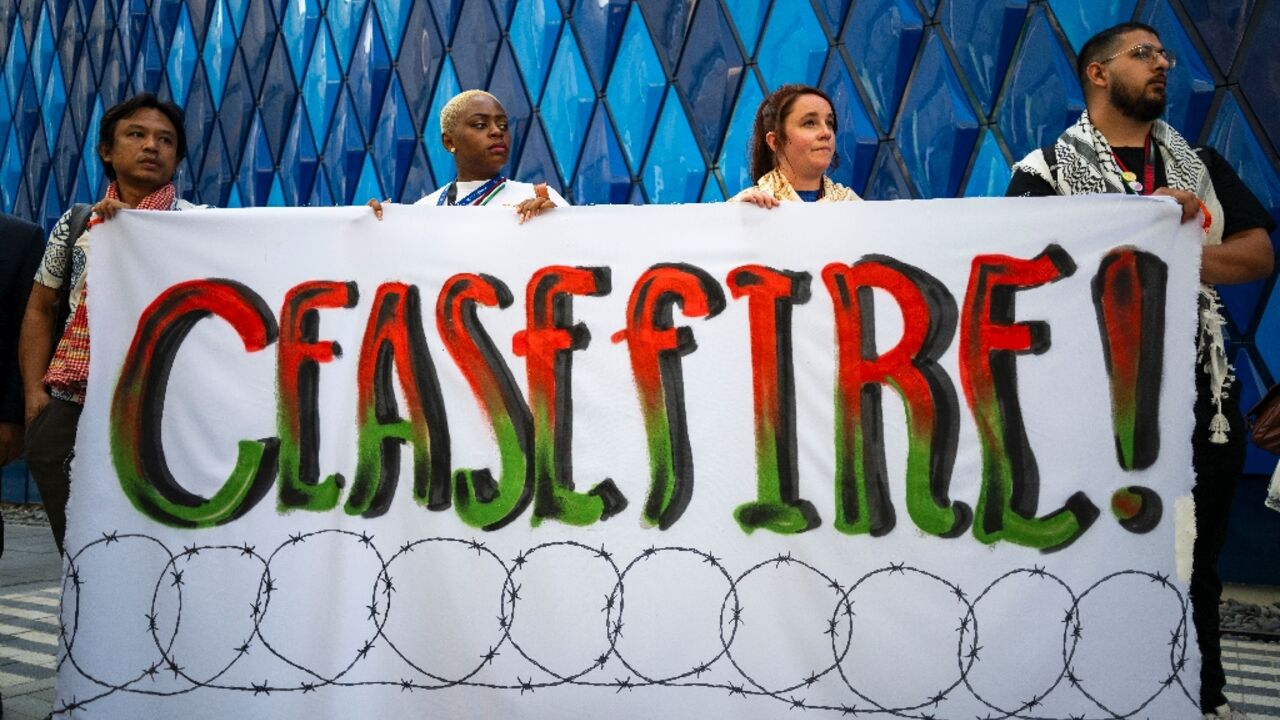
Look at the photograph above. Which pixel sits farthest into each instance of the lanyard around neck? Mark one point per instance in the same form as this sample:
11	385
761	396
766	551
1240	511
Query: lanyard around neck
479	196
1148	184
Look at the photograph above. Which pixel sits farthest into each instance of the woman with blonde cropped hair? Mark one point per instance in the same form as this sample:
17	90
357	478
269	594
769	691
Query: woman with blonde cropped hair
474	129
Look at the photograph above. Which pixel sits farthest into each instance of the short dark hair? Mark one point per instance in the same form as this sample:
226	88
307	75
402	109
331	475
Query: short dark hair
125	109
1103	45
770	117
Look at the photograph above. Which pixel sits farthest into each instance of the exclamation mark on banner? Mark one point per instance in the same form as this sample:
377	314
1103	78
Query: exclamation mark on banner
1128	295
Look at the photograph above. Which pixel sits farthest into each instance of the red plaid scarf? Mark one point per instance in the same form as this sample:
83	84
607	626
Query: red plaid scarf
68	372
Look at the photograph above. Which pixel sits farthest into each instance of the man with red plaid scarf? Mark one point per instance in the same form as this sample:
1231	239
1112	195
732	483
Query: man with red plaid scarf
140	142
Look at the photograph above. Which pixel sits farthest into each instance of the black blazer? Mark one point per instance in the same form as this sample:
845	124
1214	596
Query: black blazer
21	246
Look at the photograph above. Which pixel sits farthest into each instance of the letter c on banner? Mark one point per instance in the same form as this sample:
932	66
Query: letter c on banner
138	406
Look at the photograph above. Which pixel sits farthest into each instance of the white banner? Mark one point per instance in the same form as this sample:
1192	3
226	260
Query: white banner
898	459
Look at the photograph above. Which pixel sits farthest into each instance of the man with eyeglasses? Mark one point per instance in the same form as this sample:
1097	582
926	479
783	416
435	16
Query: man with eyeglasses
1120	145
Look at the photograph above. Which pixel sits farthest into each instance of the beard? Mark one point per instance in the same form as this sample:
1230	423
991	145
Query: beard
1136	105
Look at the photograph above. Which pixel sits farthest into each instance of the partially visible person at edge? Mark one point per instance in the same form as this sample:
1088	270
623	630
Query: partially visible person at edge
20	246
793	143
474	129
140	143
1120	145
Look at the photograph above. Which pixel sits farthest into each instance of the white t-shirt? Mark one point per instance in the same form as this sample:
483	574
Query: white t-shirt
512	193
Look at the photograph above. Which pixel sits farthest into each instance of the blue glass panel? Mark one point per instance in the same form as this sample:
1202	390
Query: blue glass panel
505	85
1260	66
216	174
80	96
219	50
279	95
748	17
419	62
535	27
599	24
710	72
237	111
394	141
537	163
344	154
418	183
92	163
256	168
84	191
567	104
1234	138
983	34
368	187
276	198
1043	97
10	173
36	176
5	115
446	12
711	190
200	12
888	179
298	160
68	51
793	48
833	12
42	49
183	52
200	115
148	67
164	16
856	140
298	26
369	74
1221	25
321	195
237	9
322	84
1190	89
53	205
257	40
603	177
130	24
394	15
26	116
637	194
441	161
882	37
668	20
476	43
735	156
15	66
233	199
98	33
66	157
937	129
674	170
1082	19
53	105
1268	343
343	18
636	88
990	174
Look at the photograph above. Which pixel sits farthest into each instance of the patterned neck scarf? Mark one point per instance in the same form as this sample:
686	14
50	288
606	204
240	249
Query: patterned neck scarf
777	185
68	372
1086	165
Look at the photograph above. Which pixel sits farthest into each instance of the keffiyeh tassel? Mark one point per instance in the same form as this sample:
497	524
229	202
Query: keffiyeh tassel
1213	358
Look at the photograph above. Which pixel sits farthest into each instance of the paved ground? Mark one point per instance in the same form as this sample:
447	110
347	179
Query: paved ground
30	571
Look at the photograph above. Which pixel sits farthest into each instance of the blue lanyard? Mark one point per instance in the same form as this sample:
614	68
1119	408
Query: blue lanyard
473	198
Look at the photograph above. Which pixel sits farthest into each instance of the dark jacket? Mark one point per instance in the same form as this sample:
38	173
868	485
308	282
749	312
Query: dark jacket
21	246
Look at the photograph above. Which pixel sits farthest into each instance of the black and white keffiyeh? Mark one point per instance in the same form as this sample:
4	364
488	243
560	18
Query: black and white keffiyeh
1085	164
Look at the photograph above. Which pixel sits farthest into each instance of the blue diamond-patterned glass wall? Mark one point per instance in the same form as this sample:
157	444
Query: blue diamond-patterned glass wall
321	102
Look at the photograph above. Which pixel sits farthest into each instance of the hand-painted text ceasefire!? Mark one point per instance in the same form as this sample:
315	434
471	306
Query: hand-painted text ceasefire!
533	432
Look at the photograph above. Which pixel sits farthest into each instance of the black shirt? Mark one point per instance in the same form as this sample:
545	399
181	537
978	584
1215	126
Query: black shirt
1241	210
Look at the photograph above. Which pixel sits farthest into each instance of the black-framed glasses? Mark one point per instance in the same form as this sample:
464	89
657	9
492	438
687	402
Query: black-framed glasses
1147	53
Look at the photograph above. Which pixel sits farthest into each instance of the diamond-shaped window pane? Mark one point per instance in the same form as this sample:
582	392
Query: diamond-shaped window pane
983	34
735	160
603	177
1043	97
710	72
599	24
1190	89
990	174
636	88
567	104
298	26
1082	19
322	85
856	140
535	27
937	128
748	17
441	161
882	37
674	170
794	46
219	50
183	53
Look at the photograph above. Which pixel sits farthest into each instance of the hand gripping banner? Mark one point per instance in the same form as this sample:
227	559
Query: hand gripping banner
890	460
